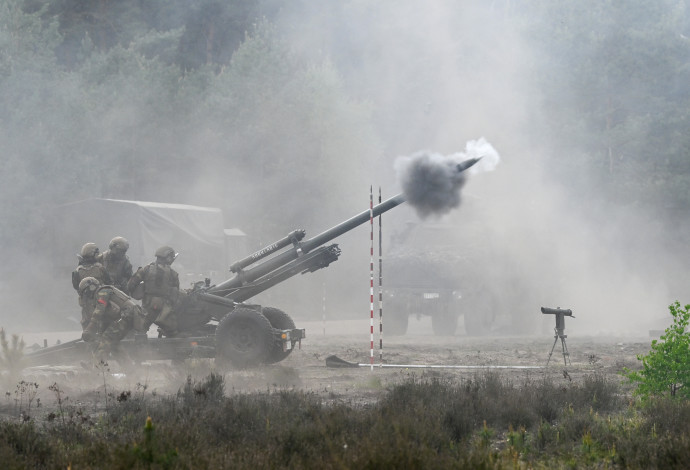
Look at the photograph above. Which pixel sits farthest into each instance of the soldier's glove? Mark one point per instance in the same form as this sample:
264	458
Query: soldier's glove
90	332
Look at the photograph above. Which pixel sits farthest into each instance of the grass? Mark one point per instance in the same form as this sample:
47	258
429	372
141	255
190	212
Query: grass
426	422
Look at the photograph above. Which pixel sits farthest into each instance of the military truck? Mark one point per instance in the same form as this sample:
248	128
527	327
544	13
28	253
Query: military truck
430	270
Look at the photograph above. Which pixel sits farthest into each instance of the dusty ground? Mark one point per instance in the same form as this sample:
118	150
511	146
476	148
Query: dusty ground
306	369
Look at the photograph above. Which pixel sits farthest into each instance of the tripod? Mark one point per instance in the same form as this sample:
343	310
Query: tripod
560	332
564	347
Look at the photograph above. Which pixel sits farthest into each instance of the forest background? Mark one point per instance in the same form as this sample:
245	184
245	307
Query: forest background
283	114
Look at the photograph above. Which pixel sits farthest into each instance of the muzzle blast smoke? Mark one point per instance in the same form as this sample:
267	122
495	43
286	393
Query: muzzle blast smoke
431	182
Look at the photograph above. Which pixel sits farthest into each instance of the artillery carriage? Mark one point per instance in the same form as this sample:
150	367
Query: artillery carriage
214	319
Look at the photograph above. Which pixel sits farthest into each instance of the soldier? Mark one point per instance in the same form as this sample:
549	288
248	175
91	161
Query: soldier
115	314
87	302
116	262
89	266
161	287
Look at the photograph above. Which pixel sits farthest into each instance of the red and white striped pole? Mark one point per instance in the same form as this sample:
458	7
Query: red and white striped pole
371	275
380	288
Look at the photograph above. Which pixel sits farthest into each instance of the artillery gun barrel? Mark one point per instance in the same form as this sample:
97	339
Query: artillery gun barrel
361	218
291	238
245	277
351	223
462	166
250	275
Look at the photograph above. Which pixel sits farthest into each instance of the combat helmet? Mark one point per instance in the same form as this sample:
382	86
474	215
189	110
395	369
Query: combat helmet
89	251
166	254
88	283
119	245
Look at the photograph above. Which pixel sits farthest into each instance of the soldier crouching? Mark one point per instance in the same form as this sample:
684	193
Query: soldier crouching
89	267
114	316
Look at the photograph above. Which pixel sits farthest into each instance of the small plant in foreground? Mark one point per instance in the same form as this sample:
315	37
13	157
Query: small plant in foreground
485	436
104	370
60	399
666	369
146	451
25	390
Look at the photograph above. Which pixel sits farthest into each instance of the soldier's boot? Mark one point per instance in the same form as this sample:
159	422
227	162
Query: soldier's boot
168	323
111	342
102	353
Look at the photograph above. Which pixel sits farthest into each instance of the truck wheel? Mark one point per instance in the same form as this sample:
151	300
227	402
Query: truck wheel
244	338
280	321
444	323
395	319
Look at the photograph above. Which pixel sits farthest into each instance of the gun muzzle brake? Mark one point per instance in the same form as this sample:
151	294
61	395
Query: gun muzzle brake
462	166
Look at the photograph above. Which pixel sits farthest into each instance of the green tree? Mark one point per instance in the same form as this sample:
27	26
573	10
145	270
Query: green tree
614	81
666	369
29	78
288	126
214	30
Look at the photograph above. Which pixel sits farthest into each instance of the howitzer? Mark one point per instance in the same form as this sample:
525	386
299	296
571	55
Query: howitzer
213	320
246	334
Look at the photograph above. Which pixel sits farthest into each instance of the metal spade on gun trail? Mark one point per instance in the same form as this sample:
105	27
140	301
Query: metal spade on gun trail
334	362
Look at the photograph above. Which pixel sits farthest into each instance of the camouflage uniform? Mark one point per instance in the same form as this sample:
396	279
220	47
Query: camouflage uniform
114	316
117	264
161	289
88	267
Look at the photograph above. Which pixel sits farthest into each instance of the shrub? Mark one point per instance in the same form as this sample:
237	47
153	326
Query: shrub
666	369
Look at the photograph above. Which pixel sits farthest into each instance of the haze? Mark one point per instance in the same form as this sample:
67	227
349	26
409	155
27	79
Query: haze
586	209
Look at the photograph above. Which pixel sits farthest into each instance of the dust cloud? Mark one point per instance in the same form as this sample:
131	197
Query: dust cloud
425	75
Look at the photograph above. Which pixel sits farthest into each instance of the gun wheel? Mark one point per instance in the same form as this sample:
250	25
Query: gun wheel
244	338
280	321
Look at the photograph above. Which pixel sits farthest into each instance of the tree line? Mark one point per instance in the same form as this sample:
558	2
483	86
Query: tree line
218	103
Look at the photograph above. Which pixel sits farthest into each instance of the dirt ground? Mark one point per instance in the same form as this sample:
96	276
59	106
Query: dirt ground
418	354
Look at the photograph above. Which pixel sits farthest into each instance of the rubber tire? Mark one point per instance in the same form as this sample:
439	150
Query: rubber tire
244	339
444	323
280	321
395	319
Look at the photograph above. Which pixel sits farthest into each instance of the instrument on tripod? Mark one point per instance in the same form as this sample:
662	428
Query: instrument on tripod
559	330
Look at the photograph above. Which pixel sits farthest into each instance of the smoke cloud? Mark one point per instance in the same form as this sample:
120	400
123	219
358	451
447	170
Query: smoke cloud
432	183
